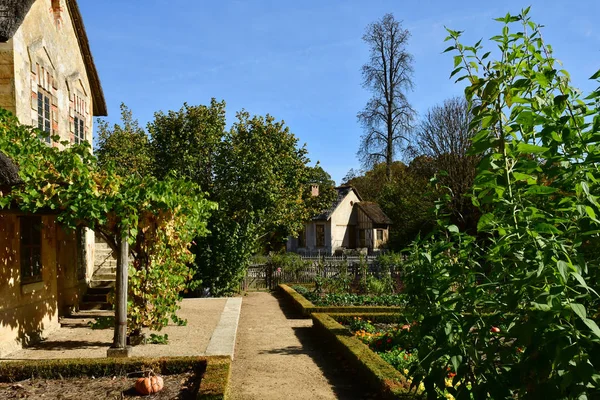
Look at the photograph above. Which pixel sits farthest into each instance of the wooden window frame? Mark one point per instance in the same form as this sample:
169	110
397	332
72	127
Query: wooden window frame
44	109
380	232
30	235
79	129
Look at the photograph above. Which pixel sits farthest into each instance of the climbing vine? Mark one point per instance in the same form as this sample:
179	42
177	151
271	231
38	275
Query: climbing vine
160	217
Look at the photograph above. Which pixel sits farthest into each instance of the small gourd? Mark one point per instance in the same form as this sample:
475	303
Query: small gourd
149	384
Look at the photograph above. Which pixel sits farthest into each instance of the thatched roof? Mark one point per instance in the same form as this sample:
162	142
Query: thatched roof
9	172
12	14
374	212
342	192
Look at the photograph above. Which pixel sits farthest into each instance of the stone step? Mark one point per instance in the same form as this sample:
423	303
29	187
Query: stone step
94	284
93	313
84	318
70	322
95	297
104	277
104	255
105	261
99	290
105	270
95	306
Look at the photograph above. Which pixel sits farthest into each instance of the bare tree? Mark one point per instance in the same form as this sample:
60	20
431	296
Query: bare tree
387	117
444	136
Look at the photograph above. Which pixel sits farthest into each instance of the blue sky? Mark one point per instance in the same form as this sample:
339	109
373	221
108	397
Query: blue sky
300	60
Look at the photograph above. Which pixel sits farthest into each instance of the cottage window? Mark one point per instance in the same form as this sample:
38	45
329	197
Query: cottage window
31	249
44	113
320	235
79	129
380	235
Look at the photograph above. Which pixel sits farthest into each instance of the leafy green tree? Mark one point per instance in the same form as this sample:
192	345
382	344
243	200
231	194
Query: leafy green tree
256	172
186	141
125	147
513	311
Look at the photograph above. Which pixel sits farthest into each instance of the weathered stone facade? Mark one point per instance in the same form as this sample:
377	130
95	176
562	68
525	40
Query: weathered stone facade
48	80
44	56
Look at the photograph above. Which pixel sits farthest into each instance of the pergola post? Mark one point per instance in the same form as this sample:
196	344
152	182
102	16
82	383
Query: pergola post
119	347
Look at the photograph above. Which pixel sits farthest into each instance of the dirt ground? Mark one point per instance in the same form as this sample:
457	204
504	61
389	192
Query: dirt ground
182	386
278	356
202	317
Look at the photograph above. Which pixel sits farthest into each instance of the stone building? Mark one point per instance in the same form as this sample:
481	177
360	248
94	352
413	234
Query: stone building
349	224
48	80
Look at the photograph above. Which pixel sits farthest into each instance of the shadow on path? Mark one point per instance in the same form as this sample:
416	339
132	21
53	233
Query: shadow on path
286	307
341	376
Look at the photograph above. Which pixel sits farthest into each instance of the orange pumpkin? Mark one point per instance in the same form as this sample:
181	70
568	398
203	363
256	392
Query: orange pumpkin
149	384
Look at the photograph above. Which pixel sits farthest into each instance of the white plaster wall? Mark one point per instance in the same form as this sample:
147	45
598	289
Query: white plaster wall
341	218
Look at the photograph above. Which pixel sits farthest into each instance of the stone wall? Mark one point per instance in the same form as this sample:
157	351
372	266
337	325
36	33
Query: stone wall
47	55
27	311
43	56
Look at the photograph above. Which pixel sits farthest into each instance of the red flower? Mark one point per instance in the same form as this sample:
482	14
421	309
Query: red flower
495	329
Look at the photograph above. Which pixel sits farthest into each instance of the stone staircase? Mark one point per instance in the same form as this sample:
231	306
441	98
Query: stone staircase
95	303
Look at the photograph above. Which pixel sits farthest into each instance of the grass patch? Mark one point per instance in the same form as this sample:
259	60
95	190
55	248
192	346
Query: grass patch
383	377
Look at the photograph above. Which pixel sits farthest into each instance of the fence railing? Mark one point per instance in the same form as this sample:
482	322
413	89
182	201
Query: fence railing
265	276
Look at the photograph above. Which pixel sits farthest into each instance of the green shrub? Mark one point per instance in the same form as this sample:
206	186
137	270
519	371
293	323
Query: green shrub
514	310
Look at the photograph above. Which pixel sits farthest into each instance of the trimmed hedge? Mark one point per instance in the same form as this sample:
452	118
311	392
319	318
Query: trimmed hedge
215	381
384	378
215	370
307	308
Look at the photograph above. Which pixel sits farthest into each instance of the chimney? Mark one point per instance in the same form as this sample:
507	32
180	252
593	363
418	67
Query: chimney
314	190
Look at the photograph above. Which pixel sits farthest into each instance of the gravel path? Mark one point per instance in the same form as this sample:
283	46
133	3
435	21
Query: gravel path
278	356
202	316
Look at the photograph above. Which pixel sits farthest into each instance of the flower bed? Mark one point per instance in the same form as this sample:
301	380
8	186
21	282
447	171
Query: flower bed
392	342
349	299
381	376
306	307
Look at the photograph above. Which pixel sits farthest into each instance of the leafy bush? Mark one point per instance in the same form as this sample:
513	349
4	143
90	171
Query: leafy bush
390	261
290	263
513	311
160	218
